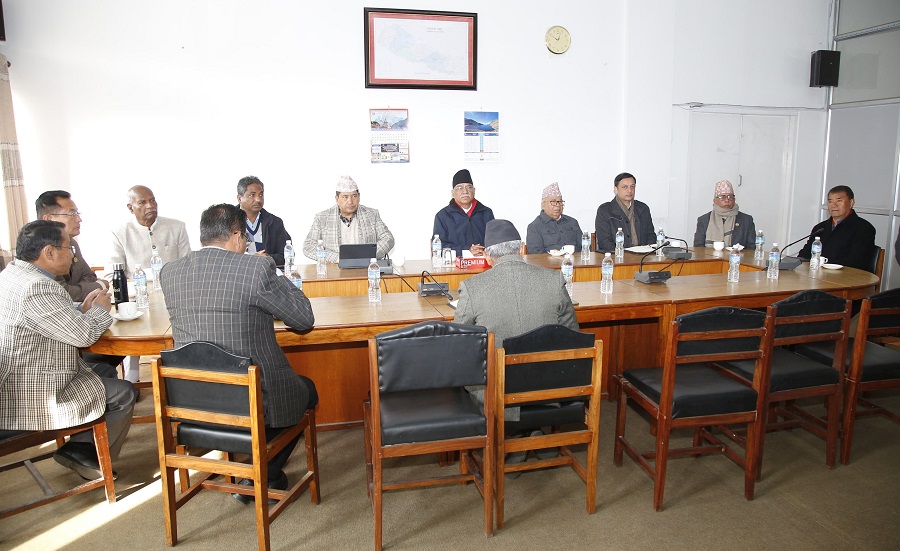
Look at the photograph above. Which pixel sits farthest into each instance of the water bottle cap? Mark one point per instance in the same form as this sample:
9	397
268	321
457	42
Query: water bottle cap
606	255
373	260
620	229
288	242
137	267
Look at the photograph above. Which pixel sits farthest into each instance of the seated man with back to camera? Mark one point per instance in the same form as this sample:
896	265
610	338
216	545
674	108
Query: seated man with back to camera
847	238
725	222
44	383
347	223
223	296
626	212
552	229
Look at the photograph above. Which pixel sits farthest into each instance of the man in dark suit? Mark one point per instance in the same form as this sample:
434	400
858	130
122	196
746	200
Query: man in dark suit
725	222
625	212
222	296
846	238
266	235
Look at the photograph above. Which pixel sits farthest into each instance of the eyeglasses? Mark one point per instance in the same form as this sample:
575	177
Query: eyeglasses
71	248
76	213
557	203
463	187
725	197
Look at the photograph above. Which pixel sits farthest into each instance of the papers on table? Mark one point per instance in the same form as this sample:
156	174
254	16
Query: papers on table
641	249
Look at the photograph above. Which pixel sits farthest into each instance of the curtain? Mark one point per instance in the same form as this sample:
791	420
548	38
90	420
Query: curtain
13	185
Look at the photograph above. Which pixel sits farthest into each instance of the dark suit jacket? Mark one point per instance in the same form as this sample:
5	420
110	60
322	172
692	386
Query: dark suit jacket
274	236
457	229
744	231
850	243
231	300
610	218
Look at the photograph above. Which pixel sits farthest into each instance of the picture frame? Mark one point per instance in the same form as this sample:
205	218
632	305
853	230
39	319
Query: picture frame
420	49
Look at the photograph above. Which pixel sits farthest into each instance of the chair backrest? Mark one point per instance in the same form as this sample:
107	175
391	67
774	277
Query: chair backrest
432	354
880	314
550	374
877	261
810	316
718	334
204	395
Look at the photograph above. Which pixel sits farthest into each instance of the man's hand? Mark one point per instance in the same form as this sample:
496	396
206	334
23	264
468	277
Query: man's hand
97	297
261	253
477	250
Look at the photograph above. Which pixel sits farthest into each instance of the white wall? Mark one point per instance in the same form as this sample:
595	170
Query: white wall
188	96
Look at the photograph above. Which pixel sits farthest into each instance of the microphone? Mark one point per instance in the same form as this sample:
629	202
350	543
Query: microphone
651	277
678	253
434	288
791	262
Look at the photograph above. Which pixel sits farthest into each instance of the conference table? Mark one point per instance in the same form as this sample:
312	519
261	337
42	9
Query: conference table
633	321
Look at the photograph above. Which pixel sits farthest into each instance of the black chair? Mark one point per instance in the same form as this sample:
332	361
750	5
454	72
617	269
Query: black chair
871	366
418	405
553	375
209	399
807	317
686	392
12	441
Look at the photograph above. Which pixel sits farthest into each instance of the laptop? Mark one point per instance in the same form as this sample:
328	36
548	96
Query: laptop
359	256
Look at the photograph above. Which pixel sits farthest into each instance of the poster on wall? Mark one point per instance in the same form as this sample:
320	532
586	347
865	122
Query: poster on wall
390	135
481	135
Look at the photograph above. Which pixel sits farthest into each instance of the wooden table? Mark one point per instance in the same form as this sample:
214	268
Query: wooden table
632	321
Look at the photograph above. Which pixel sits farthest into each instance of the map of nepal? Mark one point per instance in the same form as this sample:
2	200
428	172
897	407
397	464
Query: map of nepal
405	54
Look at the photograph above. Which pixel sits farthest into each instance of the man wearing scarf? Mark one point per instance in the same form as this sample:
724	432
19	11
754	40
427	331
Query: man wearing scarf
725	222
625	212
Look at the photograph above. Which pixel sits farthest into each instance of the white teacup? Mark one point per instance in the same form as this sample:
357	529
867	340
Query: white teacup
718	245
398	261
568	249
127	309
823	260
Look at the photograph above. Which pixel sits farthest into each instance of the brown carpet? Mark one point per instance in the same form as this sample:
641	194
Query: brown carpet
799	503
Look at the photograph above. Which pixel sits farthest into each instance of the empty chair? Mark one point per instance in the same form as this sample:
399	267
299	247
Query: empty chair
871	366
418	405
209	399
807	317
686	392
553	375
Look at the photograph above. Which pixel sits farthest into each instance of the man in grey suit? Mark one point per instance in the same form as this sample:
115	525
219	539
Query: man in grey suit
347	222
44	383
222	296
512	297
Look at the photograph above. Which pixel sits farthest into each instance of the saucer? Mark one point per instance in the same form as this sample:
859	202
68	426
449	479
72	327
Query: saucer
555	252
832	266
120	317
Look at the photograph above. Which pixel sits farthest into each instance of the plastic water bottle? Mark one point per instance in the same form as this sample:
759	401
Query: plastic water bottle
774	261
815	258
660	239
606	284
156	265
734	265
759	253
288	253
620	244
568	271
321	268
374	281
140	287
586	246
436	259
293	274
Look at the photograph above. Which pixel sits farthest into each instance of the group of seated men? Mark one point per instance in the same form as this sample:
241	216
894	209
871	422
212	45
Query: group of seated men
53	304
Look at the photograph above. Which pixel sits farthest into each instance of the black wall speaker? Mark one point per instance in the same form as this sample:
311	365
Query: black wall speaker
823	68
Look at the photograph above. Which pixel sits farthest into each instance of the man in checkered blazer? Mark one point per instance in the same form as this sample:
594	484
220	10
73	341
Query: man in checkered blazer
222	296
44	383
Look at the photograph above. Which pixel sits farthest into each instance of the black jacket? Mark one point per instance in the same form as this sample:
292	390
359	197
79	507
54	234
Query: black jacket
610	218
274	236
850	243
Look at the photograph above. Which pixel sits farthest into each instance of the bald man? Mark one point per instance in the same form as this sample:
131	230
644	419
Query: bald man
133	243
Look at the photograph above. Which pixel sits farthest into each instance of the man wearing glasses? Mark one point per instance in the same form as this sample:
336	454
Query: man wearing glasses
725	222
347	223
460	224
45	384
80	280
552	229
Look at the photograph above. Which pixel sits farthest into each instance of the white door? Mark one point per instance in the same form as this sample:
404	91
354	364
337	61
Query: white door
753	152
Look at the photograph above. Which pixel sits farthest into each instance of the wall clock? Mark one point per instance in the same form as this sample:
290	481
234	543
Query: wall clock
558	39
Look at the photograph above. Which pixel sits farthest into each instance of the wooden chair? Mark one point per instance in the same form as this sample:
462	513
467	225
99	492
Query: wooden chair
17	441
807	317
688	393
208	399
871	366
418	405
553	375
